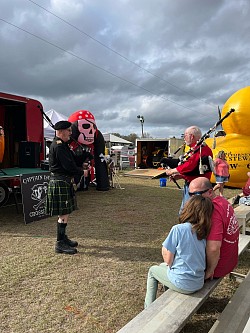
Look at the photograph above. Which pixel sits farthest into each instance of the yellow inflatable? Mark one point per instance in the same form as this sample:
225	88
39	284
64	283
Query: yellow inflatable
236	143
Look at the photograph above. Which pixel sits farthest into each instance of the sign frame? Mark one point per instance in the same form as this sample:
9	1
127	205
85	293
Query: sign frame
34	192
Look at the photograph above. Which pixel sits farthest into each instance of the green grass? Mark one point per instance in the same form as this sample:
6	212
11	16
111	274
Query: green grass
102	287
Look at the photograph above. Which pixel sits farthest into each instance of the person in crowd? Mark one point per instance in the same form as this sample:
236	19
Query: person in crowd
222	241
183	251
244	196
83	160
196	165
221	171
85	179
61	194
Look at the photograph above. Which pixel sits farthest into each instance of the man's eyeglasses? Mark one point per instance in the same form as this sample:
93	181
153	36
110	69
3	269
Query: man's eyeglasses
198	192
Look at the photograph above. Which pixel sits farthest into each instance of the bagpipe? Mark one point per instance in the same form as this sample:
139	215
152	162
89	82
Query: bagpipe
206	162
193	150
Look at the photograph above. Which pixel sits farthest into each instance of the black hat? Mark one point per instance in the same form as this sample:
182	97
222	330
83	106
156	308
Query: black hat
62	124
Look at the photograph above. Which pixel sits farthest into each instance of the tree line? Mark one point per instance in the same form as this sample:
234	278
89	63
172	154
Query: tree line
132	136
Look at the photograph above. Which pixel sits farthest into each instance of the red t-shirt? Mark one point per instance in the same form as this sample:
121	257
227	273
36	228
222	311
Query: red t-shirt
221	167
190	169
225	228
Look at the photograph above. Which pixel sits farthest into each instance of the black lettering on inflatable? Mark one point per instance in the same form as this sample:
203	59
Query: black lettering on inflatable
233	166
237	157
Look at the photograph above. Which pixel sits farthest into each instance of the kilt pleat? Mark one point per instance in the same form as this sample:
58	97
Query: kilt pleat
60	200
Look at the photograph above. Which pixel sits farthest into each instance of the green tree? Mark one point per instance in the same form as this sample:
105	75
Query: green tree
147	135
117	134
131	137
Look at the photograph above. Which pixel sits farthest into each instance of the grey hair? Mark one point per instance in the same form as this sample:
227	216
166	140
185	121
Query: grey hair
195	131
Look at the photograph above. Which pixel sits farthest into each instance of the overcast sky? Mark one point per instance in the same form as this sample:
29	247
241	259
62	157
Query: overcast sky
171	61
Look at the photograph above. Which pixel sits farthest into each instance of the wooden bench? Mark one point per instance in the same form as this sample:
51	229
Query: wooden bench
242	213
235	316
171	311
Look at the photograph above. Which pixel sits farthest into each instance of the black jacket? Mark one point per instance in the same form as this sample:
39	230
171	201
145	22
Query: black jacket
61	159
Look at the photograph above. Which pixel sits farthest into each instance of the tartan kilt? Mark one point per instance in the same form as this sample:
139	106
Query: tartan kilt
60	199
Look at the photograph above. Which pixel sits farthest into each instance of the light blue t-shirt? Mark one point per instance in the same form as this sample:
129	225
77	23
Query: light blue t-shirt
188	268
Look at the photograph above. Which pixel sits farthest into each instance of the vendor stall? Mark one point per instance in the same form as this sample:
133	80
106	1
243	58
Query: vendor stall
21	142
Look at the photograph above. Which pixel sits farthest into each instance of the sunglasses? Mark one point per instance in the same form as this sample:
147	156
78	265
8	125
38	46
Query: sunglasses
198	192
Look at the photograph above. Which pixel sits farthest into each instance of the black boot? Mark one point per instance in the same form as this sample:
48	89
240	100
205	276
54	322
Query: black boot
70	242
62	247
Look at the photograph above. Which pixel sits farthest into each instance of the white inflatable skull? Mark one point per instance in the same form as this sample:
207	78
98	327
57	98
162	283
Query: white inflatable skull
87	129
84	121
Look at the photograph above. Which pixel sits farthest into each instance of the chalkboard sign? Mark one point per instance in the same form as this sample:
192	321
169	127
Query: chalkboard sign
34	191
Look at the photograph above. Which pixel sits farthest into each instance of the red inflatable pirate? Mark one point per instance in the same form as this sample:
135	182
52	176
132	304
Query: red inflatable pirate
88	142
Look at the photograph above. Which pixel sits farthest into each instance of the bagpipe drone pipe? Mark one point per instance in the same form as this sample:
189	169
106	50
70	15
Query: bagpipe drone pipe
194	149
205	162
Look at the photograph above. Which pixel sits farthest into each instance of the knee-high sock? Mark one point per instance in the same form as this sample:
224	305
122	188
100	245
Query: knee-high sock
61	231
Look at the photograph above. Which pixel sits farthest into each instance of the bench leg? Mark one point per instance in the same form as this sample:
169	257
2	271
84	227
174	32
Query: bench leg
239	277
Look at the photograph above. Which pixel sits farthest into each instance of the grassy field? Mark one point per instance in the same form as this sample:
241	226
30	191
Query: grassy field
102	287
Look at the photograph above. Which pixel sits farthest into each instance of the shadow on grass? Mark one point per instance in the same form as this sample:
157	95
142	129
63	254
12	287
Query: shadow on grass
138	213
123	253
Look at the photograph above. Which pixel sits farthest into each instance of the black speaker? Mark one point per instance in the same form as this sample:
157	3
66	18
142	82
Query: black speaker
29	154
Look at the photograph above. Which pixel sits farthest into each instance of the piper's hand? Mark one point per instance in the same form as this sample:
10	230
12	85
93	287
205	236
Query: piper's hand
169	172
176	177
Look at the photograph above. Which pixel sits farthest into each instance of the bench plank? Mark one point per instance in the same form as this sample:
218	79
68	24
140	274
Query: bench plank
242	213
244	240
247	327
171	311
236	314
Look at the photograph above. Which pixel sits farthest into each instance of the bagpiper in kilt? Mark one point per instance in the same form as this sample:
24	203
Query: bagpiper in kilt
61	199
60	196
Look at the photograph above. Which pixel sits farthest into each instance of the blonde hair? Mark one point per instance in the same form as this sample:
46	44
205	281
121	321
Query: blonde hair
198	211
220	153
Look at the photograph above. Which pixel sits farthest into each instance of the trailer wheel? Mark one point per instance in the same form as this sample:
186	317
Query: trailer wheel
4	193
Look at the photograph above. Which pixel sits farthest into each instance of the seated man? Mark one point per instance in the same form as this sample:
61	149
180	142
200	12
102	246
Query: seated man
222	241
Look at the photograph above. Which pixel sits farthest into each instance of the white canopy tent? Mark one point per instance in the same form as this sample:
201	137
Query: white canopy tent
54	116
114	140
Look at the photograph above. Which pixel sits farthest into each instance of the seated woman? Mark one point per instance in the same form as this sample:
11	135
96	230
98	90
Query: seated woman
183	251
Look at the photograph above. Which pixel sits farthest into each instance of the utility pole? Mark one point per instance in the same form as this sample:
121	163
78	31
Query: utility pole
141	118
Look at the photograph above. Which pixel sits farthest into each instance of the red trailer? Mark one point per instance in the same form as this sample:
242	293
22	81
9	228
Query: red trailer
22	145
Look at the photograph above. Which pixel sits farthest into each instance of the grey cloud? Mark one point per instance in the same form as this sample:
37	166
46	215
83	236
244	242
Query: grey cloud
200	47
